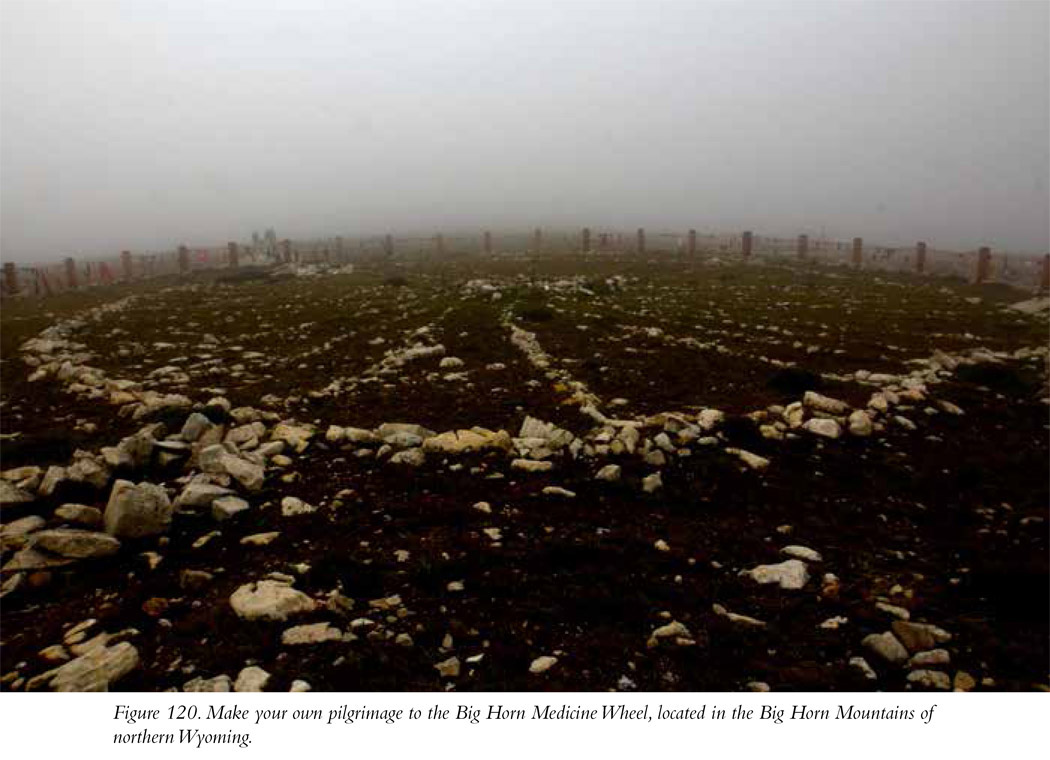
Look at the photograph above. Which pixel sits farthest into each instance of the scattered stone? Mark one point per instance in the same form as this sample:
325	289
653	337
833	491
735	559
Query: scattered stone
292	506
194	580
652	483
919	637
930	679
964	682
269	600
542	664
260	539
558	491
733	617
930	659
15	534
904	422
77	544
610	473
296	437
887	647
390	429
198	495
314	633
226	507
801	552
531	465
463	441
11	494
655	458
823	427
891	609
30	559
824	404
673	630
248	474
95	670
209	685
195	426
709	419
359	436
860	424
791	574
136	511
80	514
205	539
834	623
251	678
754	461
409	457
860	664
448	668
53	479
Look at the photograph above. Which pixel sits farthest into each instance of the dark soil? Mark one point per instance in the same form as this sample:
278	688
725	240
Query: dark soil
954	512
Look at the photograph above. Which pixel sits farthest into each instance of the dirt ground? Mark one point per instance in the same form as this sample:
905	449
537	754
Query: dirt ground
944	523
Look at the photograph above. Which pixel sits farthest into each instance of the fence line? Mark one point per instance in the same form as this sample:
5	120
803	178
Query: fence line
980	266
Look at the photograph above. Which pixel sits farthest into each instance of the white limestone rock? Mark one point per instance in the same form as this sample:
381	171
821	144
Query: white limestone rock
76	544
135	511
790	574
270	600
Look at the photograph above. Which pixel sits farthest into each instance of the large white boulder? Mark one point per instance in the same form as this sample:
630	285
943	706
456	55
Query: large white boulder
269	600
134	511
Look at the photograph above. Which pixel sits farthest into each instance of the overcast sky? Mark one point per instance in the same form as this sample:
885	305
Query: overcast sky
143	125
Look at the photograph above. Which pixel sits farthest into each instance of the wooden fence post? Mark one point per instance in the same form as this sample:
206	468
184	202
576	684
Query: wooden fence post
71	274
858	251
184	260
984	265
803	246
641	241
235	254
537	239
692	243
745	244
585	240
10	278
439	244
286	246
920	257
43	284
339	254
125	261
984	262
486	243
388	245
1044	278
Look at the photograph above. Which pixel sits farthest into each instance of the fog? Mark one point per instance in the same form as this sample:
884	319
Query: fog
143	125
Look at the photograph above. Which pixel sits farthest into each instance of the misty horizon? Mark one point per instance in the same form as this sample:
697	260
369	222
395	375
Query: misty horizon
145	126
